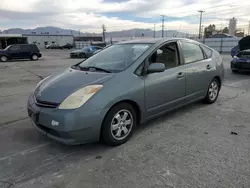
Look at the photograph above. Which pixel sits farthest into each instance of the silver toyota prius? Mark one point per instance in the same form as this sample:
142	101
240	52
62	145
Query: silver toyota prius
107	95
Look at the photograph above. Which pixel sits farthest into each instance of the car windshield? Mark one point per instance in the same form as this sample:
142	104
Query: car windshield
7	47
116	58
85	48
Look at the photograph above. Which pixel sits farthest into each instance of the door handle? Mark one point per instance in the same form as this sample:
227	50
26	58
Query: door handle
180	75
209	66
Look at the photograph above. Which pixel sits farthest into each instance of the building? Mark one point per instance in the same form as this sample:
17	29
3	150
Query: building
8	39
82	41
232	26
44	39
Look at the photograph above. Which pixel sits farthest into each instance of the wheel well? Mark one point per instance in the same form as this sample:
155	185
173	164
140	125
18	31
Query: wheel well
134	105
219	80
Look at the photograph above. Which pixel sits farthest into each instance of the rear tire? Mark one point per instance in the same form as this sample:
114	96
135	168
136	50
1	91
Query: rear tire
119	124
212	92
4	58
34	57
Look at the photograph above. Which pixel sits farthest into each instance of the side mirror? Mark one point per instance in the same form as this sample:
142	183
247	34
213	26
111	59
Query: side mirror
156	67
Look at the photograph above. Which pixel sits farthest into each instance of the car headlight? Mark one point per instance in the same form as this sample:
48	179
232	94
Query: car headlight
78	98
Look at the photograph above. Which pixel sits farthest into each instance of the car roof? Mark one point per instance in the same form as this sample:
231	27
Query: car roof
153	40
22	44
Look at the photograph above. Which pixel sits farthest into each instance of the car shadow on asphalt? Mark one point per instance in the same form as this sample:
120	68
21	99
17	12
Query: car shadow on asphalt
169	115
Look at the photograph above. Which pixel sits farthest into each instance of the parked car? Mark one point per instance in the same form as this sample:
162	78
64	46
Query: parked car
241	56
67	46
84	52
222	35
53	46
106	96
20	51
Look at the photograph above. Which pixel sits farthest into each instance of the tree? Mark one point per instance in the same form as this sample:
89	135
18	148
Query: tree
225	30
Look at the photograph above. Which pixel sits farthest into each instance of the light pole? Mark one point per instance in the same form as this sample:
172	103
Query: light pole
201	12
162	30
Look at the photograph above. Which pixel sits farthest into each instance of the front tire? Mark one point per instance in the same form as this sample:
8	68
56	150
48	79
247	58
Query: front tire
4	58
213	91
234	71
119	124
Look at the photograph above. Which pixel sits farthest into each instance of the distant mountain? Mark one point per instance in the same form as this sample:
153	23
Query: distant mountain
125	33
145	33
45	30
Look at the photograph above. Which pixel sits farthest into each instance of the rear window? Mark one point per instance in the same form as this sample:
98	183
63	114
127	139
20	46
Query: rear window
207	51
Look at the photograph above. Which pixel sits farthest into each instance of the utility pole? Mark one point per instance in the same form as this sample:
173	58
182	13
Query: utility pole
154	30
162	30
249	28
201	12
103	33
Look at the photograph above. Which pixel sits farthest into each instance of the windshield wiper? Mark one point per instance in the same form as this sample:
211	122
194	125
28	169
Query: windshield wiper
96	68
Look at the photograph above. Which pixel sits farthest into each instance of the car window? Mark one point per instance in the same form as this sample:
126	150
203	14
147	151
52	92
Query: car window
207	51
116	58
14	48
25	48
191	52
167	54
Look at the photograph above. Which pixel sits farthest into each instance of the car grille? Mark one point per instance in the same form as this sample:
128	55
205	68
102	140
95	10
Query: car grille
46	104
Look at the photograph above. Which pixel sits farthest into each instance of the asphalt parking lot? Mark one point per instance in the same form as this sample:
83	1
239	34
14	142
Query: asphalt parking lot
196	146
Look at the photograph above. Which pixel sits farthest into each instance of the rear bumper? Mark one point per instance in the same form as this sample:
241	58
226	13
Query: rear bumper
69	127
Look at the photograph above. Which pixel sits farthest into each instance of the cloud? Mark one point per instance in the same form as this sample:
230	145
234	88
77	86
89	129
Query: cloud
120	15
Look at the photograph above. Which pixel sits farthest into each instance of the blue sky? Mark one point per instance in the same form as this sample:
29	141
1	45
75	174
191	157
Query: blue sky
121	14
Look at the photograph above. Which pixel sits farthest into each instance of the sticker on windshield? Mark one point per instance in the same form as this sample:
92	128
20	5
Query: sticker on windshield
140	46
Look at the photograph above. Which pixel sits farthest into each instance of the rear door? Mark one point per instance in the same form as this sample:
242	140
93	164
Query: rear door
25	51
165	90
198	70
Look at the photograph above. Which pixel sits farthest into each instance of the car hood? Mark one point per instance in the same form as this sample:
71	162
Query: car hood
57	87
77	51
243	44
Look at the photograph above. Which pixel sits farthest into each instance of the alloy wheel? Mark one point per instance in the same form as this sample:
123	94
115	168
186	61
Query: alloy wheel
213	90
121	124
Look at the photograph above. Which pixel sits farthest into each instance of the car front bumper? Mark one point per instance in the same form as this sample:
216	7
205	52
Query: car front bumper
70	127
240	66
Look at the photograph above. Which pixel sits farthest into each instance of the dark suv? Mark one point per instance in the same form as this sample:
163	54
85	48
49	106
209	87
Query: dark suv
20	51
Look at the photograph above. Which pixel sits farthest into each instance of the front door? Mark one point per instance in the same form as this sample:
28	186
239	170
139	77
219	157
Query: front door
14	52
165	90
